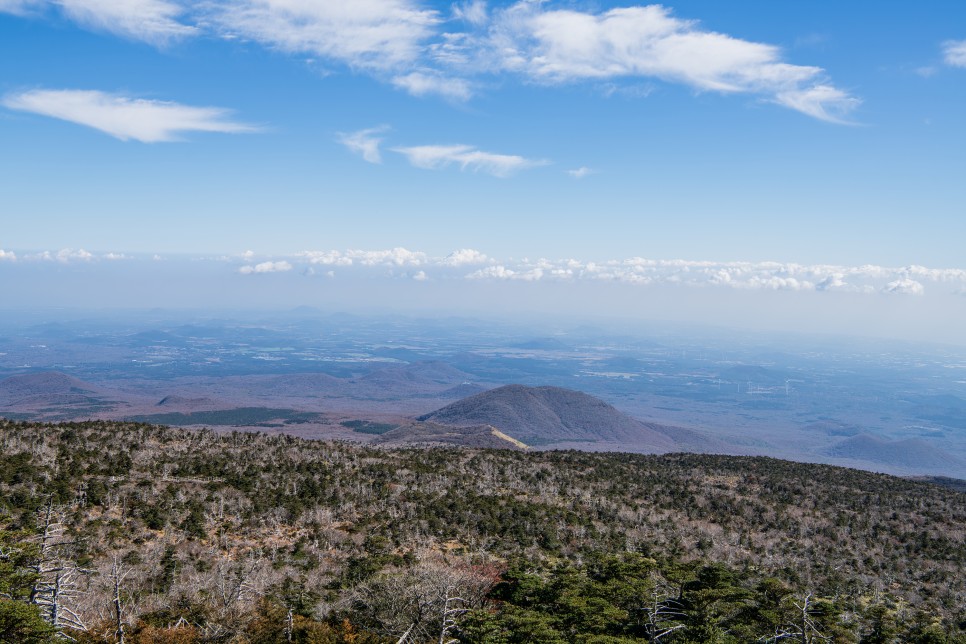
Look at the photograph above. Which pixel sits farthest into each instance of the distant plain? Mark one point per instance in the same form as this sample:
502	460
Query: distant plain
876	405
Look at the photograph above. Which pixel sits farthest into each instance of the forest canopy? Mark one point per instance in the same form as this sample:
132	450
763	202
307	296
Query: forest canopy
112	531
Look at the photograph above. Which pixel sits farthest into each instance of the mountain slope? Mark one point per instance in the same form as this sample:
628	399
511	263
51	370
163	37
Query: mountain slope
542	415
430	434
46	388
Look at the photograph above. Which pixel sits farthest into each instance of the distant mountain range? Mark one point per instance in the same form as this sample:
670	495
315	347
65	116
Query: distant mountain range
403	396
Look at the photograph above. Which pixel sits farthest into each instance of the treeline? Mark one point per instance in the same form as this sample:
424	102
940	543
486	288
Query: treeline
112	531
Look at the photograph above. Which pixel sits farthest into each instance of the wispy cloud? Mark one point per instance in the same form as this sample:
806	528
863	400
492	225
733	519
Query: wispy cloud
123	117
434	157
20	7
152	21
563	45
266	267
422	52
954	53
365	143
363	34
581	172
473	12
424	82
157	22
7	256
823	102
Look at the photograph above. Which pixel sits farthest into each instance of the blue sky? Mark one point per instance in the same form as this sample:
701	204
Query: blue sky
822	144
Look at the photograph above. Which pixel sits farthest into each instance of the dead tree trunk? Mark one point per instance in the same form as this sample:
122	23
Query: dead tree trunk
117	576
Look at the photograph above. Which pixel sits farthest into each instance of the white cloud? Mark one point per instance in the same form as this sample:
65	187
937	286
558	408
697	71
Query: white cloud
326	258
833	282
504	273
418	50
904	286
266	267
464	257
772	276
473	12
393	257
114	256
433	157
823	102
365	143
581	172
152	21
563	45
125	118
64	256
424	82
467	263
954	53
471	264
367	34
7	256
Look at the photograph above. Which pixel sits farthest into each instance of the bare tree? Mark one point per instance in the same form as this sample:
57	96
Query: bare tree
117	578
453	608
423	602
663	611
55	586
804	629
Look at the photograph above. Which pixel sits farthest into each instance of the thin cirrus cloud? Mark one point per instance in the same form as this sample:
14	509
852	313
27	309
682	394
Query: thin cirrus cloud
364	34
425	82
564	46
20	7
126	118
365	143
152	21
954	53
434	157
424	53
581	172
157	22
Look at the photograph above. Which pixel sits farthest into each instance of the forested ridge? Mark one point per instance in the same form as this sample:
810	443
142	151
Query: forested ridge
124	531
